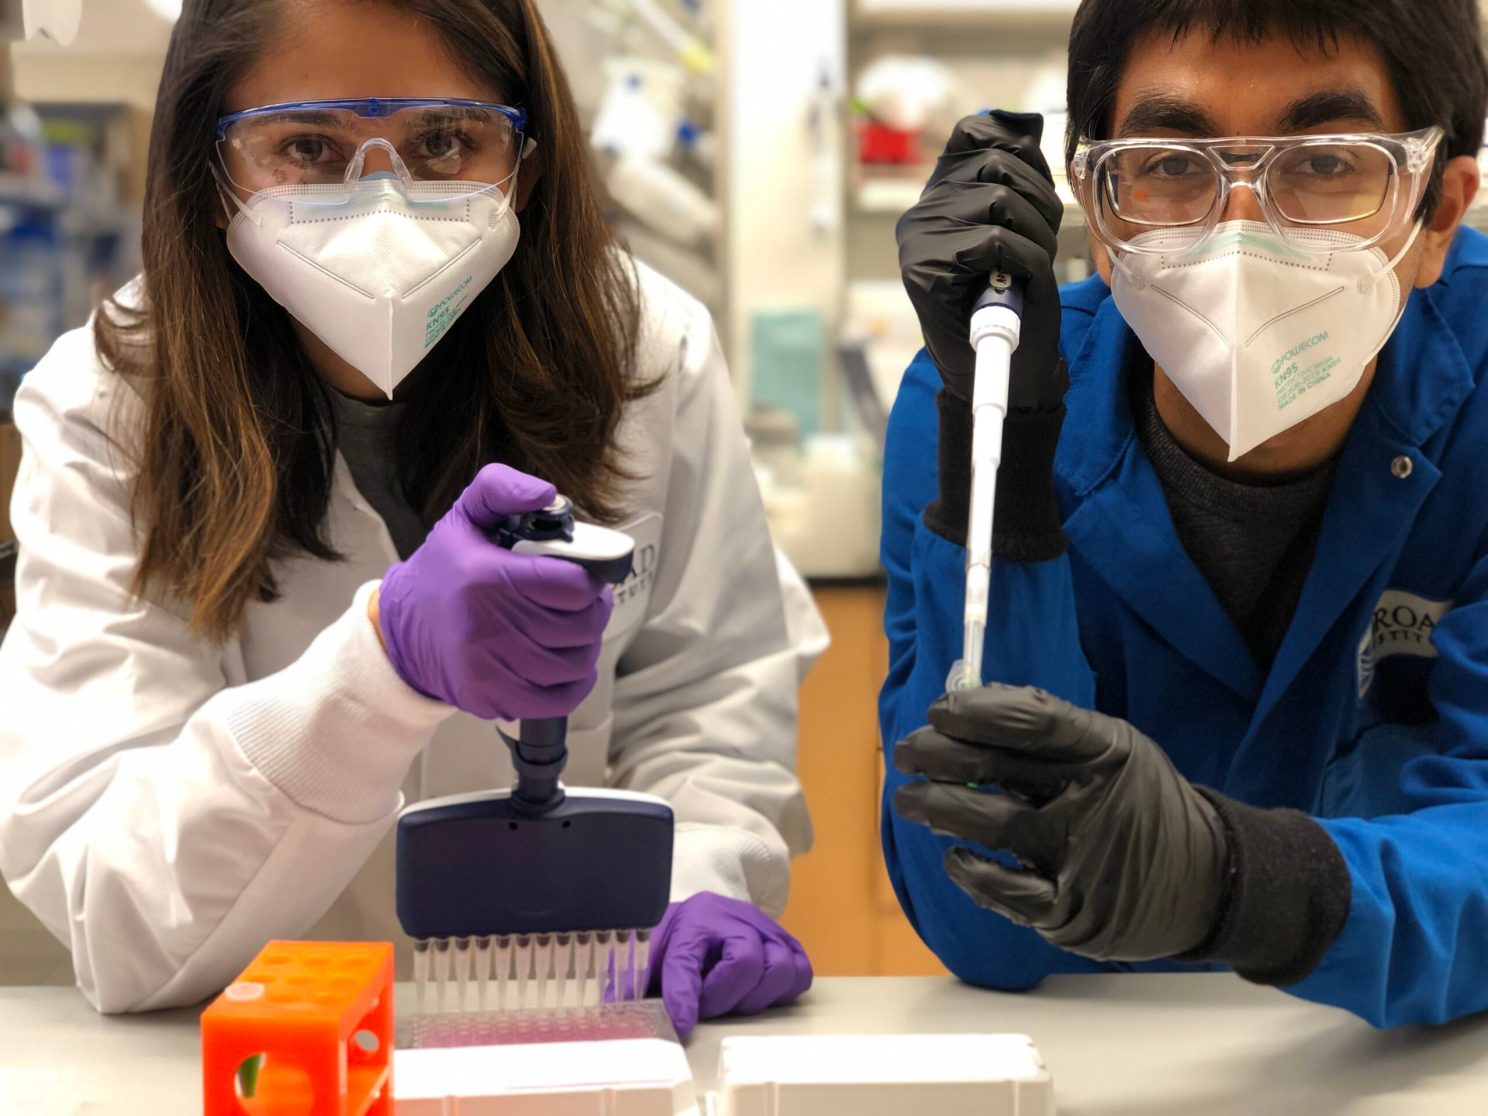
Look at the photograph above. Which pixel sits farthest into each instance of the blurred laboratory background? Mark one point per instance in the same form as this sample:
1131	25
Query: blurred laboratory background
758	152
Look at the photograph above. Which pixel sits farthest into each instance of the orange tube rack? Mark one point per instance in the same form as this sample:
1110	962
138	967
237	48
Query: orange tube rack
321	1015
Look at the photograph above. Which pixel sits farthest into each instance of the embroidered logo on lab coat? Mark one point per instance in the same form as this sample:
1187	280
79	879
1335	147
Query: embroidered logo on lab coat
1402	624
633	595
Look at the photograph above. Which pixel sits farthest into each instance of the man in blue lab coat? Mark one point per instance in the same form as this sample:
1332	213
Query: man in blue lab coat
1238	629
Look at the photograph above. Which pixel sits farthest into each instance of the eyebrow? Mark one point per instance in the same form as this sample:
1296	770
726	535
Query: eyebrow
1166	112
1328	105
453	114
299	116
432	117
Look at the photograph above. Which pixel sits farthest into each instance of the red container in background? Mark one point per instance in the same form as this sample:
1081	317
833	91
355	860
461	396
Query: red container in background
878	144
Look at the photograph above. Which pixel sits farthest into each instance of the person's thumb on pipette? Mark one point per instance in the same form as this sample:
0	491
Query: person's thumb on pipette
499	491
496	634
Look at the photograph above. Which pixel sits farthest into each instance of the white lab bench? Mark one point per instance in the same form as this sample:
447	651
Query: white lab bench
1117	1045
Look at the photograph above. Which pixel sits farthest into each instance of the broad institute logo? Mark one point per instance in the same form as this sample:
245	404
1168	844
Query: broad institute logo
1402	624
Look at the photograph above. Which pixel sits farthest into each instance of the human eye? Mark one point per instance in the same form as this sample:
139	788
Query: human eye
1326	165
1172	166
307	149
1316	164
445	144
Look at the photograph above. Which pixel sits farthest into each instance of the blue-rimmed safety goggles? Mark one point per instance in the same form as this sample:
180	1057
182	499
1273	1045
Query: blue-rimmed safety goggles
322	143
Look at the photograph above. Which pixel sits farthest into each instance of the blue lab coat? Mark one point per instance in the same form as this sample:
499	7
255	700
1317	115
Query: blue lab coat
1374	716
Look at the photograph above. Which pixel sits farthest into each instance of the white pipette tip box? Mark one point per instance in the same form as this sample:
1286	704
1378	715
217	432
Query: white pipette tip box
882	1075
631	1077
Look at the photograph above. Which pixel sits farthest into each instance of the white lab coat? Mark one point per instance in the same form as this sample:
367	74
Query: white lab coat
168	804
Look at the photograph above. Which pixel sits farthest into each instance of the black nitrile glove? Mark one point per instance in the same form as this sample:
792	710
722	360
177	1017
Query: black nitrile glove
991	206
1122	858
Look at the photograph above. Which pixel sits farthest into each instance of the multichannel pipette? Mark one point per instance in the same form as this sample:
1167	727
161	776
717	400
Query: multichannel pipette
547	894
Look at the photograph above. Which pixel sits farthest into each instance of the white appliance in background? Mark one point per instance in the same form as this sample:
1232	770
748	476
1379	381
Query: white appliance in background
827	522
881	321
646	87
908	92
1045	95
641	110
664	199
51	19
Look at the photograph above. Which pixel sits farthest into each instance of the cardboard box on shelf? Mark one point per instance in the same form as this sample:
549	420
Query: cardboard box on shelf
10	462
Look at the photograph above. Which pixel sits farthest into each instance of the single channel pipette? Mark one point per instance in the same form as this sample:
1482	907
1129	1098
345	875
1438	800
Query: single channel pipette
995	325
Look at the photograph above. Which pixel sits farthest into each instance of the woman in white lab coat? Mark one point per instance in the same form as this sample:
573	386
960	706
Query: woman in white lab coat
235	654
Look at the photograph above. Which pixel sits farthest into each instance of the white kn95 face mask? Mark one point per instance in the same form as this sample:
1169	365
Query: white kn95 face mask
1257	334
378	268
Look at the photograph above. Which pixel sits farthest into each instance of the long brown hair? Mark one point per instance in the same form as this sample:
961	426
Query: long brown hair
235	459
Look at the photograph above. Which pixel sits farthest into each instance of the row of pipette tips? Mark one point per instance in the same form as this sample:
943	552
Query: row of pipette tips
531	971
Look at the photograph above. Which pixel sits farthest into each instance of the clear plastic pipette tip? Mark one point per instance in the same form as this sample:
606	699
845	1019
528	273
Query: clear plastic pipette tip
582	969
462	971
420	971
503	971
441	971
604	959
966	674
483	955
641	968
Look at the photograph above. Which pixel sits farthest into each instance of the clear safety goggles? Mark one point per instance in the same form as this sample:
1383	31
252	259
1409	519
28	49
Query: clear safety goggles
1365	184
326	143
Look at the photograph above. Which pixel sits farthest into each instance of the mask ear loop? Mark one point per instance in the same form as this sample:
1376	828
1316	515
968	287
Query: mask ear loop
228	194
1117	257
1367	283
1094	222
1118	263
508	186
231	200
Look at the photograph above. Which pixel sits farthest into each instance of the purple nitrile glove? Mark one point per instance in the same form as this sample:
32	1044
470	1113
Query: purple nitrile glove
713	956
497	634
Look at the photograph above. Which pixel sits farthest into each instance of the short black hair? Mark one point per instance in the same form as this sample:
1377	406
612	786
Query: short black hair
1433	50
